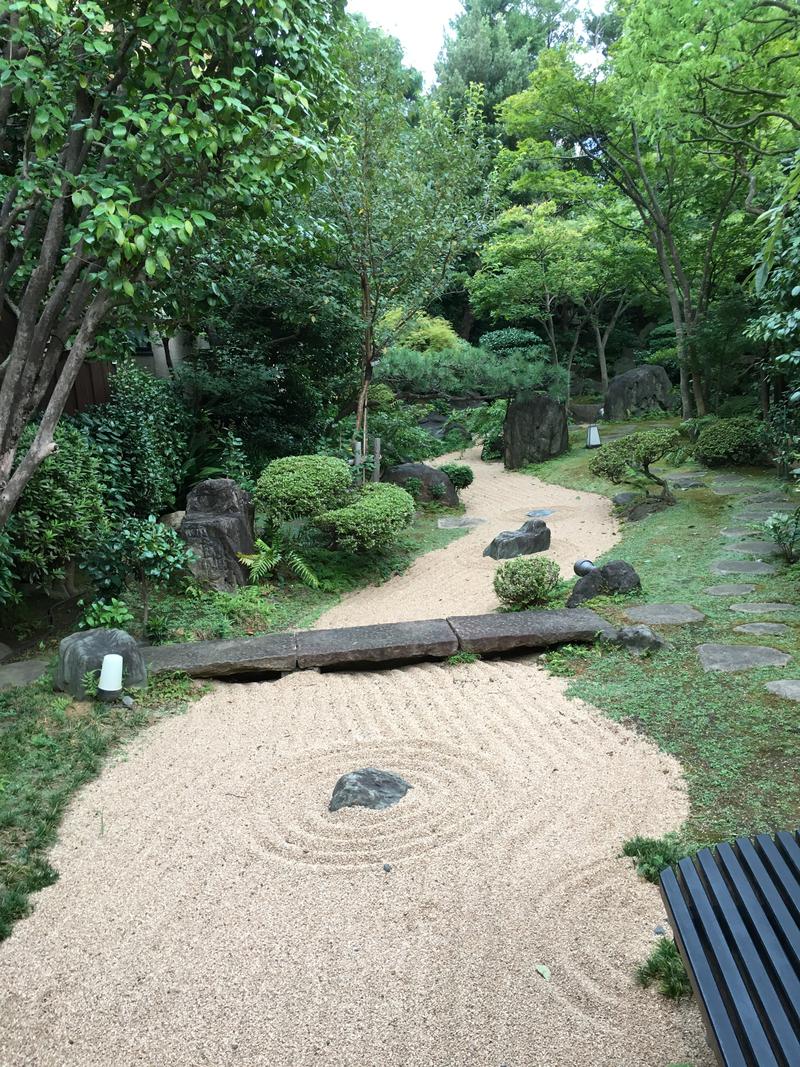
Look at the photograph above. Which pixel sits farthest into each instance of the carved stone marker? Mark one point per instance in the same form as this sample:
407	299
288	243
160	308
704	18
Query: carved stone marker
218	524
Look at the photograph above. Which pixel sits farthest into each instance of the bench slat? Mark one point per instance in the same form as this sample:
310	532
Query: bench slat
747	949
783	921
722	1035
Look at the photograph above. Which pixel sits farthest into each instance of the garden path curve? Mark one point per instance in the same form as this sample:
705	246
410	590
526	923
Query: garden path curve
457	579
211	910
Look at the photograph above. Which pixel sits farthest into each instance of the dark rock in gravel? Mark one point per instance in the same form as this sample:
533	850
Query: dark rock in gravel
83	652
643	389
368	788
434	484
535	429
217	526
728	658
639	640
614	577
533	536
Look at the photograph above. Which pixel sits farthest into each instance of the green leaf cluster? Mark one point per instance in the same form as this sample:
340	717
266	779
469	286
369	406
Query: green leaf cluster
372	522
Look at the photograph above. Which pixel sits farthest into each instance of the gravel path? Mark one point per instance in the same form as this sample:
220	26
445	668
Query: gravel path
457	580
211	911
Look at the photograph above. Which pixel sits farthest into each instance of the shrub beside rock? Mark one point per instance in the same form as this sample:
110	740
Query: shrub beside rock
302	487
372	522
459	474
526	583
724	441
429	483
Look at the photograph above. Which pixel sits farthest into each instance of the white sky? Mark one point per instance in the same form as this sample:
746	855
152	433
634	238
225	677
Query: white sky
419	25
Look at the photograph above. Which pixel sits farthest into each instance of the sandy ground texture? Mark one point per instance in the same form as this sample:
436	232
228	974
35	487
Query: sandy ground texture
211	911
457	580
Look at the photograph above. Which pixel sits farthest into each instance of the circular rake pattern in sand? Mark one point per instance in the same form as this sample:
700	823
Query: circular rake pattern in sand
450	797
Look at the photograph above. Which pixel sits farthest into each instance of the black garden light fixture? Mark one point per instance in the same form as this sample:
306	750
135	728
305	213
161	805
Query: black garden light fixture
583	567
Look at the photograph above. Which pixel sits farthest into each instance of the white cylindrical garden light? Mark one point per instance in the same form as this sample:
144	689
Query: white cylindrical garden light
593	437
110	685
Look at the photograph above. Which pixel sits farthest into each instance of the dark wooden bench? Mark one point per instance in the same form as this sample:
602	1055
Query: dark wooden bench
735	913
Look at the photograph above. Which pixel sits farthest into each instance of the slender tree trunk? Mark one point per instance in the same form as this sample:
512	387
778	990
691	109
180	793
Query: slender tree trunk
367	356
158	348
600	344
763	388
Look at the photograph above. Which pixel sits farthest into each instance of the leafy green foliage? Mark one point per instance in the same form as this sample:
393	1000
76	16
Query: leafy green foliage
372	522
268	558
142	438
653	854
145	550
403	440
302	487
524	583
665	967
459	474
8	575
630	457
420	332
785	532
465	371
108	613
487	422
61	513
736	440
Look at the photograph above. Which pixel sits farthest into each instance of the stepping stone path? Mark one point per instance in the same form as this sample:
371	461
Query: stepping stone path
685	481
666	614
729	488
455	522
757	607
737	531
22	673
753	548
788	688
762	629
730	658
733	589
741	566
540	513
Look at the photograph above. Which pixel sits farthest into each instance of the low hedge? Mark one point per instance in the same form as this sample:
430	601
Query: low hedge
372	522
302	487
737	440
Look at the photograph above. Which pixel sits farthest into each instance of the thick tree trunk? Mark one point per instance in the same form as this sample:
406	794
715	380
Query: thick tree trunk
159	350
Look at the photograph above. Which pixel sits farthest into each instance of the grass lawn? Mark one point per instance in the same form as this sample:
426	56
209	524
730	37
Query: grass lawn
739	745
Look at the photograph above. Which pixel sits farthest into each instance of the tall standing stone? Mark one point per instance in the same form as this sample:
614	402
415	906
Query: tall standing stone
535	429
637	391
217	525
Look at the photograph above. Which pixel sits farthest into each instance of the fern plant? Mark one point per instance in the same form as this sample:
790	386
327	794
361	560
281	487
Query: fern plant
268	558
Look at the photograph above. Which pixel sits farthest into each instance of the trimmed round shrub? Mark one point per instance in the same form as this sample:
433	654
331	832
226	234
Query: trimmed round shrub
302	487
525	583
380	397
372	522
737	440
459	474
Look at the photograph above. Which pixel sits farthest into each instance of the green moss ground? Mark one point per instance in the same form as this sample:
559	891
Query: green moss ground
739	745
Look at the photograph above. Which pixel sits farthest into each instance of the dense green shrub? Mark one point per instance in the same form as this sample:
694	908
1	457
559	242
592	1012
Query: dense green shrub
403	440
111	613
525	583
734	406
785	532
302	487
142	438
380	397
512	339
8	575
144	550
487	422
372	522
422	333
459	474
61	512
737	440
629	458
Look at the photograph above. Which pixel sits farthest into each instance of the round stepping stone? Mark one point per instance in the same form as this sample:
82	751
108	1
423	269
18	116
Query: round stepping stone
789	688
773	497
757	607
740	657
540	513
665	614
741	566
733	589
753	548
737	531
762	629
729	489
